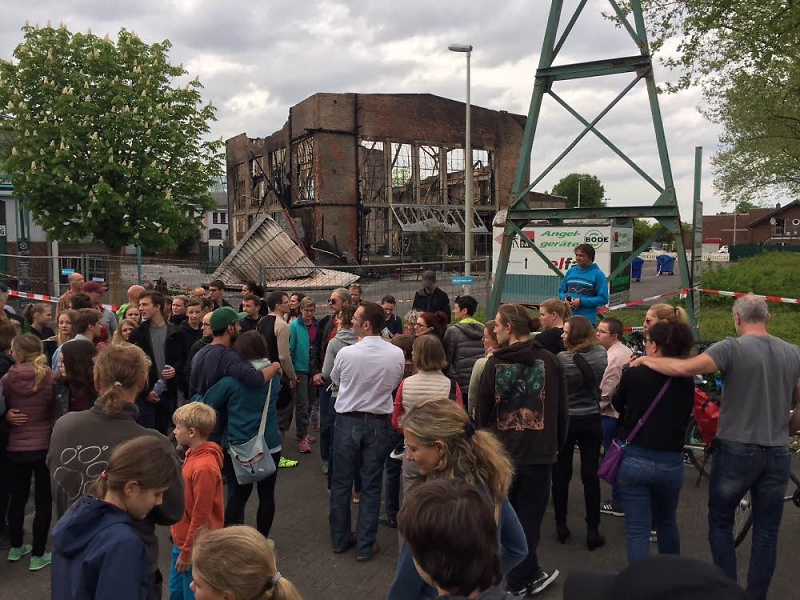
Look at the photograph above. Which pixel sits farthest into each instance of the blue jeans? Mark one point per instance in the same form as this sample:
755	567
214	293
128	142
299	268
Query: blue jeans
610	427
392	469
326	418
764	471
360	446
650	483
179	582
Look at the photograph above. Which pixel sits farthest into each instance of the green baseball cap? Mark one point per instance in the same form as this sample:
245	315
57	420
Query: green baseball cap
224	316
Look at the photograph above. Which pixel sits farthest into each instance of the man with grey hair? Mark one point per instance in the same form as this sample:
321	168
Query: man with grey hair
761	376
338	298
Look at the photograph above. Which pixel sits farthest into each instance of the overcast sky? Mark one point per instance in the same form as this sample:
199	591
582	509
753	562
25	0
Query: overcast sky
258	58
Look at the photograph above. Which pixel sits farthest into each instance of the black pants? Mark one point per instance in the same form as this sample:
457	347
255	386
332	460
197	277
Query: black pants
239	494
587	432
528	495
20	475
156	415
5	483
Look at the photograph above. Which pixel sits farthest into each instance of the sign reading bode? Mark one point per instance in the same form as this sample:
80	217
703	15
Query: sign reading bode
611	243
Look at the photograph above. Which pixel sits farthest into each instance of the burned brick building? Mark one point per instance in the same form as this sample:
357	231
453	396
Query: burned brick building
361	174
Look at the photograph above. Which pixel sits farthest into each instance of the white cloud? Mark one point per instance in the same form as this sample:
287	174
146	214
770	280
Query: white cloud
256	59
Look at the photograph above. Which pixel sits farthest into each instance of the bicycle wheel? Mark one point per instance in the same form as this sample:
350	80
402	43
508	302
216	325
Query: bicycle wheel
742	520
697	452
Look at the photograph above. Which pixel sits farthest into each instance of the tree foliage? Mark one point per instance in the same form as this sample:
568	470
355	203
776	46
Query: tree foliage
744	56
105	144
592	191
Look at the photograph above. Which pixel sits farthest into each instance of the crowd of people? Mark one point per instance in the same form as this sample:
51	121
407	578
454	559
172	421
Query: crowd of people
457	434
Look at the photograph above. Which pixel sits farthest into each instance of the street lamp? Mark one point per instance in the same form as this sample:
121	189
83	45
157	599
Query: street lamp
467	49
579	191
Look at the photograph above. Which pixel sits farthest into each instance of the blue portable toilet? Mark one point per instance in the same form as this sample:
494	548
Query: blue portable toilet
665	264
636	268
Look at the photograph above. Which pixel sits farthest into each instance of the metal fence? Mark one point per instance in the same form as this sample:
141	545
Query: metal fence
48	275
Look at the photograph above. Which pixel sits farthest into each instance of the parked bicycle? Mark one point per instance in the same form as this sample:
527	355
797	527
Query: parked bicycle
743	519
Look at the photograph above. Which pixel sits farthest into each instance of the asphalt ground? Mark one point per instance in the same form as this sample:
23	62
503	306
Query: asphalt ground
301	536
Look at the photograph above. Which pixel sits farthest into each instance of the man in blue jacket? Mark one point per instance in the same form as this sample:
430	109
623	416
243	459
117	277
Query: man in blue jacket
584	287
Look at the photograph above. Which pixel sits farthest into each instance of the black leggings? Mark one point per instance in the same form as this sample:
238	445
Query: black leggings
239	494
20	476
587	432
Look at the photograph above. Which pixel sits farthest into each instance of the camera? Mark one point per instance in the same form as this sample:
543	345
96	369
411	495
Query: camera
569	298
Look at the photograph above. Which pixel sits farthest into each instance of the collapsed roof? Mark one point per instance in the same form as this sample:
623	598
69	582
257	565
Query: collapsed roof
268	255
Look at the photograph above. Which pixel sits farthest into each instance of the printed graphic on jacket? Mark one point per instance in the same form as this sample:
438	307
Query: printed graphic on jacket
519	392
80	466
582	287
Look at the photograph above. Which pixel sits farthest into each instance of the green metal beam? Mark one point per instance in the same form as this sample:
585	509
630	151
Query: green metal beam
665	209
598	68
524	239
605	212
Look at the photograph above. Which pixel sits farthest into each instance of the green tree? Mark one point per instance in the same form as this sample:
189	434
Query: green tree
744	55
106	145
592	191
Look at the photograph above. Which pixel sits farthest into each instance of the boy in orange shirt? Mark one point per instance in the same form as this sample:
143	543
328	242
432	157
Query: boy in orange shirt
202	478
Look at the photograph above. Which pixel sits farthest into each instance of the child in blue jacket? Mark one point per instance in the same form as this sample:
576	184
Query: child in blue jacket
97	554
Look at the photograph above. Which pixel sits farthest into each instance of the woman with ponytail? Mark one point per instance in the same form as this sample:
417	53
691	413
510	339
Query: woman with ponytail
236	563
83	442
97	550
522	397
553	314
442	441
30	401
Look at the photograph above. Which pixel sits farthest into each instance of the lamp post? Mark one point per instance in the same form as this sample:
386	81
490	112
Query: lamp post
579	191
467	49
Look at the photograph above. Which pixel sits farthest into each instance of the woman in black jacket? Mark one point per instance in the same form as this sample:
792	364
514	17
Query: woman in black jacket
584	364
651	474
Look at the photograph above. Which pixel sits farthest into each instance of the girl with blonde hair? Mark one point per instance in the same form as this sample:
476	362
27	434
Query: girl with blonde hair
124	331
664	313
236	563
29	397
442	441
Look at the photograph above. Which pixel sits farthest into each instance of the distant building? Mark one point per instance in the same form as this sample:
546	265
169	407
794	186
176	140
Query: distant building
360	173
215	222
763	226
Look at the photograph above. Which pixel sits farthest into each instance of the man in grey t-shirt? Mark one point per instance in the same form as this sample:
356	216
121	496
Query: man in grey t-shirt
761	375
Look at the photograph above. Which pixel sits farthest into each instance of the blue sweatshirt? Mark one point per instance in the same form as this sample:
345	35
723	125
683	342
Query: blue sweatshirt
590	286
97	555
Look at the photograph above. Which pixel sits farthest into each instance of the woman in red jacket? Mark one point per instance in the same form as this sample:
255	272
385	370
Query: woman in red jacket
28	393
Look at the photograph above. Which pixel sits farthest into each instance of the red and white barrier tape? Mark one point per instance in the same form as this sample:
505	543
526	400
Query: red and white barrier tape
636	302
46	298
740	294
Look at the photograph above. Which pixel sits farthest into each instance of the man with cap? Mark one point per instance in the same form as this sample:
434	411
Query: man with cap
75	281
654	578
431	298
95	291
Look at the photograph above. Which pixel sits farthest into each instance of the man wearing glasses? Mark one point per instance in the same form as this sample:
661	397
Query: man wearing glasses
338	298
609	334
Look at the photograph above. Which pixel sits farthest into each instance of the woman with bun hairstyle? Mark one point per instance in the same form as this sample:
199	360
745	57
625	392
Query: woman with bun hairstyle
553	313
584	362
523	397
443	443
650	477
236	563
431	323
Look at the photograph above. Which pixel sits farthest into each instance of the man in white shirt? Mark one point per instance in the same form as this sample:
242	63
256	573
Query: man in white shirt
609	334
362	440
